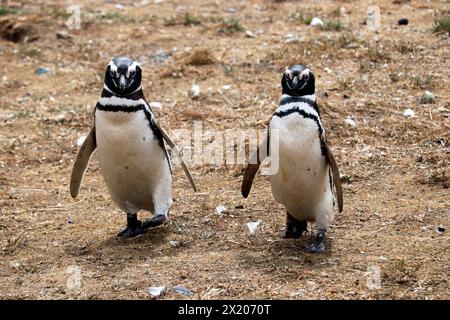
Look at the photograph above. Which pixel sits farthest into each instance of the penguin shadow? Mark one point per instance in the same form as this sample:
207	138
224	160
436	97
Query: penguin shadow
141	247
284	254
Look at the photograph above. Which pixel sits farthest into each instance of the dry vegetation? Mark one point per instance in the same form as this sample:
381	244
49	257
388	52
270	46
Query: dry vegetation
396	168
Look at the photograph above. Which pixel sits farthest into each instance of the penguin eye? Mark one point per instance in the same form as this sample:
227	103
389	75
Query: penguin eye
305	77
132	73
113	73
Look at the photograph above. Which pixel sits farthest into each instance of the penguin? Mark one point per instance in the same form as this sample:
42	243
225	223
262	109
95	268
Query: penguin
131	149
307	182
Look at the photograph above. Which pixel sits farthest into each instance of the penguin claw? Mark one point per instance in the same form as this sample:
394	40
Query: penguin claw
318	244
315	247
294	228
130	232
154	222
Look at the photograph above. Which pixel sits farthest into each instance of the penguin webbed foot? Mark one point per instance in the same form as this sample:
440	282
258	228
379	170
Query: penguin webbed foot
154	222
294	228
317	245
133	229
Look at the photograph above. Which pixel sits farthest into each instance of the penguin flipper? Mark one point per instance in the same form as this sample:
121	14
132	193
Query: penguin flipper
81	162
183	165
336	176
253	166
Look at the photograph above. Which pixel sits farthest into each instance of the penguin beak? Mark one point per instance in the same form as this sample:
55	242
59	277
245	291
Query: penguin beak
122	82
295	82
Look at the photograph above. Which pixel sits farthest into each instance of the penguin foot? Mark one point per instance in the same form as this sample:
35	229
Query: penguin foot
294	228
318	244
133	229
154	222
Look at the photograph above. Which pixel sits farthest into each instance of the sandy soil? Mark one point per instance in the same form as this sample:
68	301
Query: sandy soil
396	167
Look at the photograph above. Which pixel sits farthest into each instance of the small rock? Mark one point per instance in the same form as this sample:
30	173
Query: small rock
409	113
249	34
346	178
160	56
70	221
382	258
41	70
316	22
173	243
239	206
155	105
252	226
349	121
231	10
220	209
195	91
155	291
119	6
441	229
291	38
183	290
427	98
226	87
80	140
63	35
403	22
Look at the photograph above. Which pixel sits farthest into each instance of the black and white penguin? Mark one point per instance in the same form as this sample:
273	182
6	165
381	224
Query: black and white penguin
131	149
307	172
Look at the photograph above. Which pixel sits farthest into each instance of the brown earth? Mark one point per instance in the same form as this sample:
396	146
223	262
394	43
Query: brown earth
397	168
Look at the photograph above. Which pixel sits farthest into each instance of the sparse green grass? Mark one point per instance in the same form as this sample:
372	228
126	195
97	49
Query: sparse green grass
419	82
442	25
334	25
228	69
190	20
336	12
22	114
304	17
5	10
231	25
33	52
118	17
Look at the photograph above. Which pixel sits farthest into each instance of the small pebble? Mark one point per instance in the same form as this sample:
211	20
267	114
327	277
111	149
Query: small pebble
403	22
155	291
183	290
427	98
441	229
63	35
252	226
42	70
155	105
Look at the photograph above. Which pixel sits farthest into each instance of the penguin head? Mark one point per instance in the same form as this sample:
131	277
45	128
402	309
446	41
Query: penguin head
298	80
123	76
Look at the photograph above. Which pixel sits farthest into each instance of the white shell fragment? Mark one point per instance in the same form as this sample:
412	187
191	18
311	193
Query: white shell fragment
221	209
349	121
195	91
155	291
409	113
249	34
316	22
252	226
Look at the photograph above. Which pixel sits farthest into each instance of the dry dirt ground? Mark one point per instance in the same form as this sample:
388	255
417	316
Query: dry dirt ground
396	167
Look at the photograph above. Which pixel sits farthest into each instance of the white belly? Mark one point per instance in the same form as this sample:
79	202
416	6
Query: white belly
302	181
134	166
